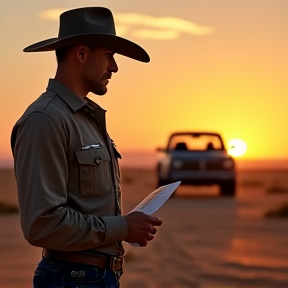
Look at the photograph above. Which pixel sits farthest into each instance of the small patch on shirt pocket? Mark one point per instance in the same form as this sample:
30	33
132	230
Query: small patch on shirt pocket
94	168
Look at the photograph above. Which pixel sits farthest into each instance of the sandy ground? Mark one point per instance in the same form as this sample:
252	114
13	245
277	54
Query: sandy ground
206	241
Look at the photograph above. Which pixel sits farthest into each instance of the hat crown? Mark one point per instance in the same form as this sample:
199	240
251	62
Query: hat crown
91	26
88	20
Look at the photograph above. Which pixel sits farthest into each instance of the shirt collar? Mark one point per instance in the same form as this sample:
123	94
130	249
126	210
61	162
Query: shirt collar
92	105
68	96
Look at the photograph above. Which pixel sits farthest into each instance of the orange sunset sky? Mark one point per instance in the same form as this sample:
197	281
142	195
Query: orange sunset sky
217	65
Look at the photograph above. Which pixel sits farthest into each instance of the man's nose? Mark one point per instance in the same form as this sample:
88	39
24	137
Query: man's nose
113	67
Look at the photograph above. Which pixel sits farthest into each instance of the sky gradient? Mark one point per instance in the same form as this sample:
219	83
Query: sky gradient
215	65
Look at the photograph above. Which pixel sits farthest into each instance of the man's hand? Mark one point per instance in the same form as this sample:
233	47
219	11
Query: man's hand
141	227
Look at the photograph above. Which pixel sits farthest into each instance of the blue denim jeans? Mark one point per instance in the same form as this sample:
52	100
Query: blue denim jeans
61	274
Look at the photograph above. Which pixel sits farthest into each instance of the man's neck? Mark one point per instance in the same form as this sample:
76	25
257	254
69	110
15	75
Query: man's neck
70	81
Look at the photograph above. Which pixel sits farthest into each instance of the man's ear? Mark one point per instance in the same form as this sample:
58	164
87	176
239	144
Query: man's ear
81	52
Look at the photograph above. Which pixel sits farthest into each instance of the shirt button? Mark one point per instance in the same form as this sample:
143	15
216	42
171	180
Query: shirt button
97	160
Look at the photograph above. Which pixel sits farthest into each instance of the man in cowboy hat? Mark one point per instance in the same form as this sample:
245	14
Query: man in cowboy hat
66	164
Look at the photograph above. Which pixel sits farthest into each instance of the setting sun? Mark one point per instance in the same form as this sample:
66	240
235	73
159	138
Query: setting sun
237	147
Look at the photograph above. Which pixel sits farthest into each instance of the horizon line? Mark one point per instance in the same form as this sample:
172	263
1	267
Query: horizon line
148	160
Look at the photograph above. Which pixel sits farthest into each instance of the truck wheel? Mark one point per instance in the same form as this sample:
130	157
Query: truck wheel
228	188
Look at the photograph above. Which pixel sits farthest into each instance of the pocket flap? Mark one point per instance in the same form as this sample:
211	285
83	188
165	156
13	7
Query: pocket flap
92	156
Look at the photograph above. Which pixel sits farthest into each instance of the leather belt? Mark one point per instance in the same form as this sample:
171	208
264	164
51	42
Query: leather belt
102	261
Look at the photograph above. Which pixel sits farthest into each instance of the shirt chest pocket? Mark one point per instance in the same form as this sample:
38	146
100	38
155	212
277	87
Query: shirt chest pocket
94	171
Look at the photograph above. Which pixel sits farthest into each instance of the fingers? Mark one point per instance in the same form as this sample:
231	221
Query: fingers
150	237
153	230
141	227
155	221
143	243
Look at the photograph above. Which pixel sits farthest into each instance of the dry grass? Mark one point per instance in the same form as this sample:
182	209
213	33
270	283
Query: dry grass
277	190
128	180
250	183
282	211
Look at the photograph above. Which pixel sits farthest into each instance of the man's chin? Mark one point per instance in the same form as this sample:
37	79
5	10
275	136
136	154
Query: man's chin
99	92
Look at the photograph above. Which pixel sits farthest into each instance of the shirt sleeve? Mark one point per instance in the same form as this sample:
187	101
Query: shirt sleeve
41	171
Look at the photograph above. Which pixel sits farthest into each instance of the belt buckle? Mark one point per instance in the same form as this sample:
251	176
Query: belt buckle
117	263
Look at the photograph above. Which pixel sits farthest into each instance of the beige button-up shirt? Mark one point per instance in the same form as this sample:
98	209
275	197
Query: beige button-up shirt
67	174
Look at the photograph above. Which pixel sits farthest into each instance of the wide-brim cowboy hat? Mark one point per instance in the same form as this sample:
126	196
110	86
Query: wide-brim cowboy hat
90	25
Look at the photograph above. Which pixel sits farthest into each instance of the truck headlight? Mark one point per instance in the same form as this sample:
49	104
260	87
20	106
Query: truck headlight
177	164
228	164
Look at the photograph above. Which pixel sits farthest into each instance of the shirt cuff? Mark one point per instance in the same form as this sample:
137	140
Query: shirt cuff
116	228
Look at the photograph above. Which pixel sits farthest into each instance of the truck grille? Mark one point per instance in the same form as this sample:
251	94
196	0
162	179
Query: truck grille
210	165
214	165
195	165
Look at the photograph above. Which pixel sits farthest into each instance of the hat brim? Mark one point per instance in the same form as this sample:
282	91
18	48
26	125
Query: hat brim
117	44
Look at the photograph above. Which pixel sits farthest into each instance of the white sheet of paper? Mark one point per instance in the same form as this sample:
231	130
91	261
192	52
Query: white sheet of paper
155	200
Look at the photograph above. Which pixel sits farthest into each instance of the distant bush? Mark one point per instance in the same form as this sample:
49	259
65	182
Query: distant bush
8	208
128	180
277	189
282	211
251	184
